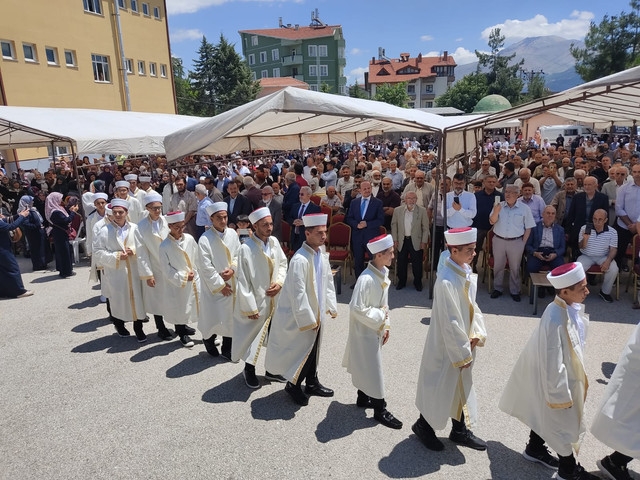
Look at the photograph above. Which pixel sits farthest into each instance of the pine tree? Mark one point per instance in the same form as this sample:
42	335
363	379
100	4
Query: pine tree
185	95
204	80
502	78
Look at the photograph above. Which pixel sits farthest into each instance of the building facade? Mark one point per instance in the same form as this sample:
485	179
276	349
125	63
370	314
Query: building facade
426	77
313	54
102	54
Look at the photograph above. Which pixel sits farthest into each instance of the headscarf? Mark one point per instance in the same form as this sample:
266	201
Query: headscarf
25	203
54	204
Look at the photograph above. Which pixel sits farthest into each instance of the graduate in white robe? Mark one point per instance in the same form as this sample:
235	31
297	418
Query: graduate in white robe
178	256
152	230
445	382
135	212
369	331
262	269
548	385
115	251
217	263
100	204
617	423
307	296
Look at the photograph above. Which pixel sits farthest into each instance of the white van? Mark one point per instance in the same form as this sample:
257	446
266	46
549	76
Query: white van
569	132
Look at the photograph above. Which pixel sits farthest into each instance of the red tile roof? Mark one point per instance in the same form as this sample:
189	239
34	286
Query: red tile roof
385	71
291	33
271	85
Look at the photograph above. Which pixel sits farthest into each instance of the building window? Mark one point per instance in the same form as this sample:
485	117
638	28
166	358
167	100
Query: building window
411	89
264	74
141	69
263	57
145	9
252	59
341	52
253	76
313	88
59	151
134	6
70	58
52	55
122	3
412	105
29	50
156	13
324	71
313	50
342	89
254	41
93	6
153	69
429	87
8	50
163	70
275	54
322	50
276	72
128	65
313	70
100	68
429	105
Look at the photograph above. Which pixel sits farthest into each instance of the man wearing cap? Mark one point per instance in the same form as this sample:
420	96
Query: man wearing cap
307	296
262	268
369	331
548	386
144	188
445	384
203	220
115	251
178	254
135	211
100	203
217	264
134	191
151	231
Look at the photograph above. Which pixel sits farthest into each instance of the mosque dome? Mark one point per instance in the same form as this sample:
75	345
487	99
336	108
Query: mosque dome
491	104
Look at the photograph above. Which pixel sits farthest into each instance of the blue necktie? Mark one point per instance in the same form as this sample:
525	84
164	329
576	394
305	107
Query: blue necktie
363	207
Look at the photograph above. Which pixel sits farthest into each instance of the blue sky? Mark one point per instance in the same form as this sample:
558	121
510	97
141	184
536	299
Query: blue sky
412	26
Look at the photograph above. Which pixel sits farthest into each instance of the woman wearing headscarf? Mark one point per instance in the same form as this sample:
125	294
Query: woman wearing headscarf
60	219
35	233
10	279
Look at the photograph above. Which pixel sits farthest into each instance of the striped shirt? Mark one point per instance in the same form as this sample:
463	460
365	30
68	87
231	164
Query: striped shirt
599	244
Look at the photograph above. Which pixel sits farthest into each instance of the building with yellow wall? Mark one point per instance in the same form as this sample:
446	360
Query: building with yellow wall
67	53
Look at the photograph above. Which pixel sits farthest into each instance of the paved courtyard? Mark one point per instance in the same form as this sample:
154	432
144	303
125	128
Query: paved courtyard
78	402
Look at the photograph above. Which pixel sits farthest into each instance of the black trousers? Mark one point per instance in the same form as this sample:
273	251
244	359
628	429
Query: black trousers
624	238
309	372
567	464
439	246
408	253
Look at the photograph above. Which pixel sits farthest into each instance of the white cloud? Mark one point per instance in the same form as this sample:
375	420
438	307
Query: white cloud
426	38
574	27
459	39
355	51
175	7
357	75
183	35
461	55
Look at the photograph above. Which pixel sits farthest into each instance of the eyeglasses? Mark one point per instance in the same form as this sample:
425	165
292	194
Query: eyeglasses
155	209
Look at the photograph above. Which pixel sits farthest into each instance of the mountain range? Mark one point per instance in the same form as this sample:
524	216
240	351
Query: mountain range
549	54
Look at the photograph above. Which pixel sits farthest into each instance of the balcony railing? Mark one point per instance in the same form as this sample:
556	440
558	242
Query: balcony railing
289	60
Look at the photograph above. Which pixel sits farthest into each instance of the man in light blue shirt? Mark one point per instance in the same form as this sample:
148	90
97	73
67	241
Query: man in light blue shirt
534	202
203	221
461	205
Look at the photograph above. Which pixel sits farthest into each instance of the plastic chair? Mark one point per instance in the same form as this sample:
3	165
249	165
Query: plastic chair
75	244
286	239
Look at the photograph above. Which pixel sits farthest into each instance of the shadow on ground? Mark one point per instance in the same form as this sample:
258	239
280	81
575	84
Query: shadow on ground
188	366
110	343
341	421
91	326
48	278
277	406
233	390
410	459
88	303
160	348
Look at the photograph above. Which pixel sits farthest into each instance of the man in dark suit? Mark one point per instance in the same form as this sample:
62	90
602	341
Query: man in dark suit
304	207
222	181
352	194
237	204
365	217
276	211
544	250
291	195
577	216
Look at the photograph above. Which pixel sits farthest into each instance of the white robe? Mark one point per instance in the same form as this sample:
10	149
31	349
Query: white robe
215	255
178	258
368	321
149	266
256	272
167	192
136	211
298	313
90	224
548	385
444	389
617	423
120	280
139	194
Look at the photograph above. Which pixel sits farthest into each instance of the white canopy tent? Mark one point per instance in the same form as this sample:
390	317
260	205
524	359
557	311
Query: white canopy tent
88	131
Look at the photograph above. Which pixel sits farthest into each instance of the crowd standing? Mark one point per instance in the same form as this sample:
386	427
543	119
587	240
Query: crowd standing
235	246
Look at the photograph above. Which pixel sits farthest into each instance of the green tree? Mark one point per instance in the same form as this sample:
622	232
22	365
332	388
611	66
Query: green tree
502	78
356	91
611	46
465	93
204	80
536	88
185	95
325	87
395	94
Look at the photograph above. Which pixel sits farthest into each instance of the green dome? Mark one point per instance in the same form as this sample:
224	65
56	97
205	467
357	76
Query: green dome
492	103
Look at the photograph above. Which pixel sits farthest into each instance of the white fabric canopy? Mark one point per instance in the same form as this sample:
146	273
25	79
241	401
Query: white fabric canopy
293	118
91	131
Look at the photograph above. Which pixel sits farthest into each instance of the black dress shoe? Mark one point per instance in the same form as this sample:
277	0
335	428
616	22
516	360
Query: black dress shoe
364	401
318	390
165	334
297	394
274	377
386	418
418	287
496	294
427	436
250	377
516	297
400	286
467	439
189	331
122	330
210	346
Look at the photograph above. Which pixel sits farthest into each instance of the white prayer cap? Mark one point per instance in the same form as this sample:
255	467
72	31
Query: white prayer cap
152	197
259	214
175	217
144	179
131	176
122	184
174	173
314	219
202	178
100	195
460	236
118	202
107	210
216	207
380	243
566	275
201	189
